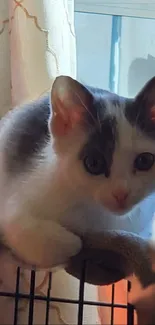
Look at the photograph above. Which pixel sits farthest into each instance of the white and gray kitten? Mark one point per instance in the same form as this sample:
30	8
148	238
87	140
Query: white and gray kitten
67	161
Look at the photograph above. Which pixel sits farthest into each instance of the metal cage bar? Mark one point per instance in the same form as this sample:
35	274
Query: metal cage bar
48	299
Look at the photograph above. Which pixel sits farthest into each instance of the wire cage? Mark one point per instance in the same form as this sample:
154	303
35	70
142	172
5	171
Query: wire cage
48	299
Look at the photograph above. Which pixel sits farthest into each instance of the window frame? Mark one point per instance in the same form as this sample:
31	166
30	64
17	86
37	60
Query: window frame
115	7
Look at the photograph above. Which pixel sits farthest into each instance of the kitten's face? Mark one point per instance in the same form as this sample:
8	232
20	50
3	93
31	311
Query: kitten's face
111	159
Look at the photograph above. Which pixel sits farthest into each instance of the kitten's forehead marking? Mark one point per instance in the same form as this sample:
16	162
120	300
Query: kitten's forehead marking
131	139
130	136
116	131
105	131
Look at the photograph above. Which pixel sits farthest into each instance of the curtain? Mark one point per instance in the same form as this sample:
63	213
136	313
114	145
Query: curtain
37	43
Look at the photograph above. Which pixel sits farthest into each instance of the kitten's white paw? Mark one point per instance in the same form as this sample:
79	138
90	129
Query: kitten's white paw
44	244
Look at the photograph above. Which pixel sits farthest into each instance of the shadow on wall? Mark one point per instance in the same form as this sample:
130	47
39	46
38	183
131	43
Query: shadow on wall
140	71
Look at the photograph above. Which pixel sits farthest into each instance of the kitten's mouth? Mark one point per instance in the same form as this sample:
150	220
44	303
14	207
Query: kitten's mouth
122	210
122	207
119	209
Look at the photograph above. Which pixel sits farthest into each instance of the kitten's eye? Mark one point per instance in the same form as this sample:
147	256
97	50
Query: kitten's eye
144	161
95	164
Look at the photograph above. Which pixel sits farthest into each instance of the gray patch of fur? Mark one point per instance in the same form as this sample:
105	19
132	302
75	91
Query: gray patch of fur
26	132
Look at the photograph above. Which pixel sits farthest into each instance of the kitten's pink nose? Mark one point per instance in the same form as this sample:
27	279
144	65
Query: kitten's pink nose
120	196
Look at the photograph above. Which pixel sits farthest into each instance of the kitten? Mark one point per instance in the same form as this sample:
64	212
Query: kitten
67	161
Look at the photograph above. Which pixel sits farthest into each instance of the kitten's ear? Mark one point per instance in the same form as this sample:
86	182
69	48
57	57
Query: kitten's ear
70	102
146	99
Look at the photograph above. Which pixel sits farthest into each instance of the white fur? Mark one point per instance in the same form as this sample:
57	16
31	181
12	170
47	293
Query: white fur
44	212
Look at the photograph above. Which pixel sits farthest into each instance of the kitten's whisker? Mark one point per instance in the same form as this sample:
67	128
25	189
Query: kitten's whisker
136	123
99	121
137	117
